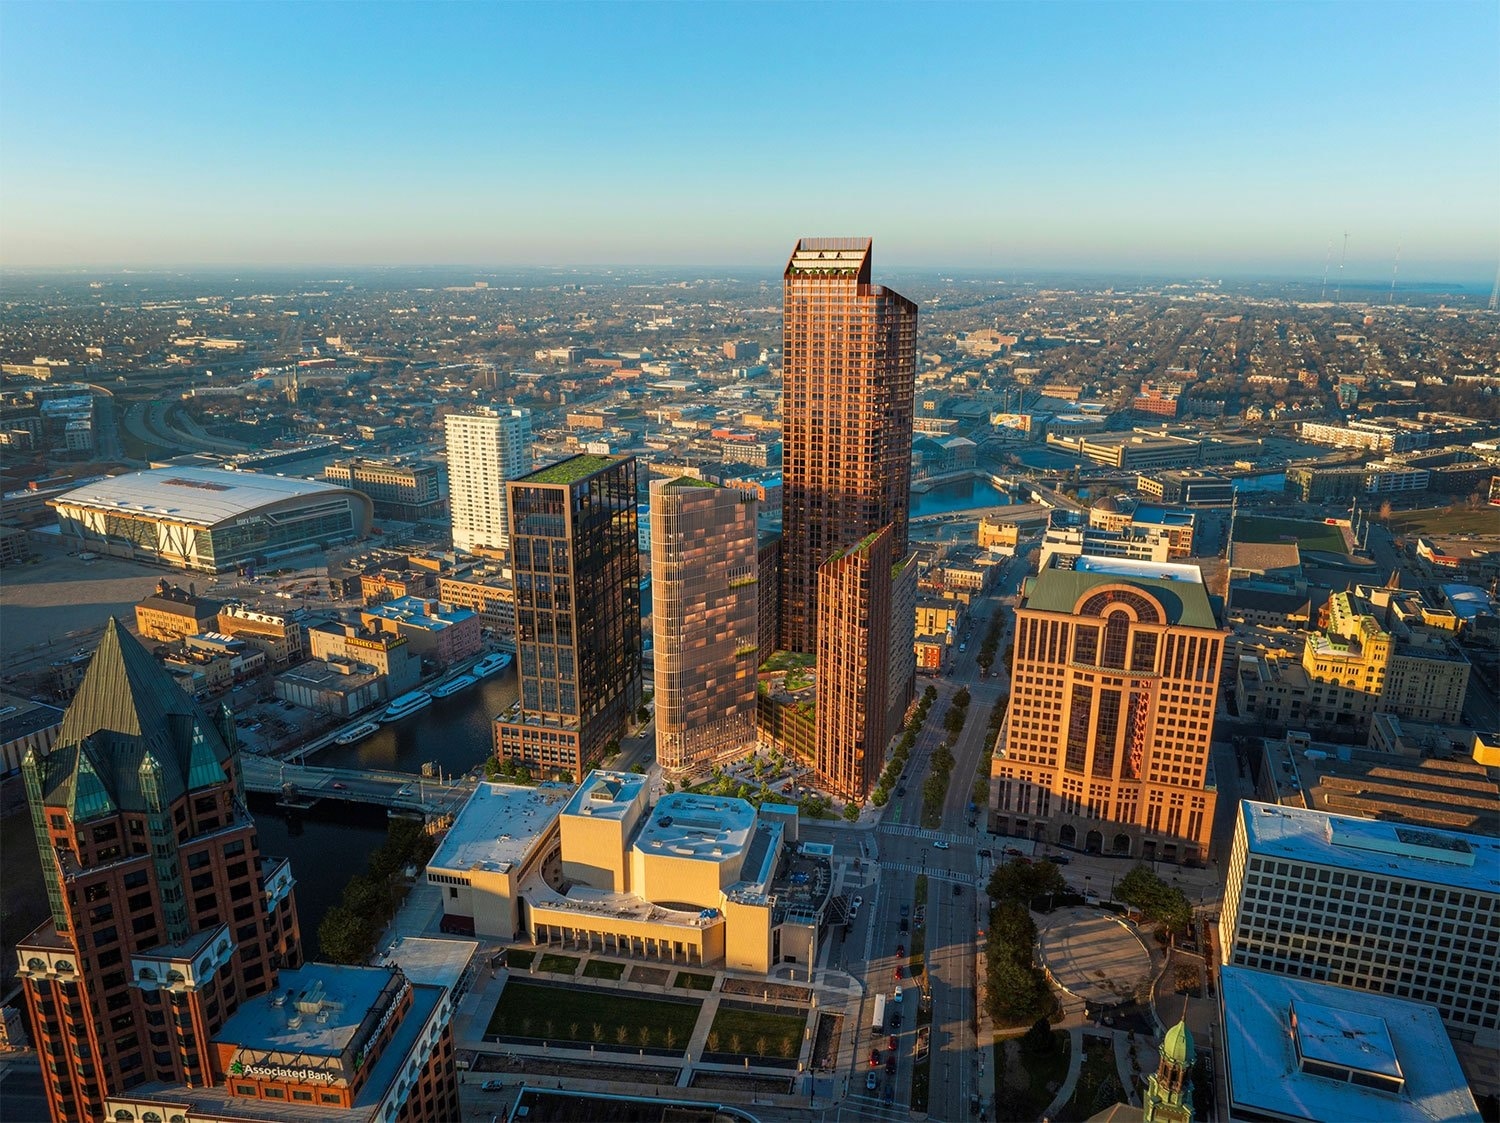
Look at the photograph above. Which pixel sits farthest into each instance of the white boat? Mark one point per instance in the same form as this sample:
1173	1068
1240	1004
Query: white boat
490	665
358	733
407	704
453	686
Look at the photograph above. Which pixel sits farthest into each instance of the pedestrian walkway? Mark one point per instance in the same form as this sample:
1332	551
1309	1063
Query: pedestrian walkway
910	831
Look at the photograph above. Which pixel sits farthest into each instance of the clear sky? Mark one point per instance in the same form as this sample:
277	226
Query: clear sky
1198	138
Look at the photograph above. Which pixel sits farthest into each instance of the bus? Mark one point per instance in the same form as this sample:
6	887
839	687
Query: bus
879	1024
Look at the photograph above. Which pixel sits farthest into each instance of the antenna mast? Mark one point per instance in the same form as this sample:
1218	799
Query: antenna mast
1327	261
1338	291
1394	269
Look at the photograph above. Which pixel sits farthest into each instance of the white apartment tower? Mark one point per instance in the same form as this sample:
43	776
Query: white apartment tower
486	447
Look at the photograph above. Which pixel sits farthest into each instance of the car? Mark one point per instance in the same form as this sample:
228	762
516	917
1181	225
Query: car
898	972
340	786
901	790
900	951
890	1094
854	905
892	1045
874	1058
871	1082
958	890
962	648
1060	860
890	1064
492	1085
942	844
985	854
905	911
896	1020
903	926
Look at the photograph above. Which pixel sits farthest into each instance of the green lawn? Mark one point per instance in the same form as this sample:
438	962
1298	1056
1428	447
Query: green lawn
587	1014
1442	520
603	969
686	980
1043	1076
518	959
1308	535
757	1033
561	964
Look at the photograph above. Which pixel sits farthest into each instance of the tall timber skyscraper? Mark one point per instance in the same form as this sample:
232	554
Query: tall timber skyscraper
849	355
486	447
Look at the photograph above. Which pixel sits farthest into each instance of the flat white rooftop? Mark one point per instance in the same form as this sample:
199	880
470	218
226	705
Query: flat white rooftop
1446	858
1127	567
1345	1029
606	795
498	826
314	1010
709	828
437	961
198	496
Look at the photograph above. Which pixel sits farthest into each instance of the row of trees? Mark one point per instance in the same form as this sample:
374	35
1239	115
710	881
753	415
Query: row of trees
981	793
892	773
1017	989
935	789
348	931
991	644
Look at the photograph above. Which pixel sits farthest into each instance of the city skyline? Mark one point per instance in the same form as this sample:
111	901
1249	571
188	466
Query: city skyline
1162	139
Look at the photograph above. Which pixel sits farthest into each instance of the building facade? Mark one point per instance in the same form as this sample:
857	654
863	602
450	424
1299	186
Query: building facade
854	589
165	916
172	613
486	447
1105	746
400	491
1407	911
705	613
849	356
578	612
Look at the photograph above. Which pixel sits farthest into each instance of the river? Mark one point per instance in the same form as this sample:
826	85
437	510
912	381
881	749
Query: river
961	495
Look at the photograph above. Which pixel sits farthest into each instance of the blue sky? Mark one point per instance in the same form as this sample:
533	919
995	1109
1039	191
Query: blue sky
1196	138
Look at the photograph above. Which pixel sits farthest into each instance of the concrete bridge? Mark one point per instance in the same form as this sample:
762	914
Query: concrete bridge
302	786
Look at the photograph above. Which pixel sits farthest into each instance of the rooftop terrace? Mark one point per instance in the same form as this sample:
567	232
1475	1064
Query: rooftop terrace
571	470
708	828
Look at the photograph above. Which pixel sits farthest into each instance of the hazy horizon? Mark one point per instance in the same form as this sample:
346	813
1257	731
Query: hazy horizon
1199	140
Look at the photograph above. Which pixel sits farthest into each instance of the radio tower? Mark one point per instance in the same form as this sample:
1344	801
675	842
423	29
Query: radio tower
1495	292
1394	269
1327	261
1338	291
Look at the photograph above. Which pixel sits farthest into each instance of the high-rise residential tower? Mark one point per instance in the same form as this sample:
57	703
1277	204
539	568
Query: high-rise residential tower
486	447
849	356
578	612
854	592
166	918
849	359
705	620
1105	746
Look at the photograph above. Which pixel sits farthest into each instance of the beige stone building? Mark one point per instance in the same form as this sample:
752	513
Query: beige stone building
691	880
705	621
1106	744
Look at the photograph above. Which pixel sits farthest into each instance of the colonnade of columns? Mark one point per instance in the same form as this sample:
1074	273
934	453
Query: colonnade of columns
616	943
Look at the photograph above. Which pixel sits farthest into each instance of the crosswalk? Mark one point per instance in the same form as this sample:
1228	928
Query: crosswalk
932	874
906	830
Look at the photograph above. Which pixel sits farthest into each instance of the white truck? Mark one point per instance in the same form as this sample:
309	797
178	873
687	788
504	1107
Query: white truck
879	1024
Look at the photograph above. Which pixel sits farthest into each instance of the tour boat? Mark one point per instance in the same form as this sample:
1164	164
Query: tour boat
453	686
406	704
490	665
358	733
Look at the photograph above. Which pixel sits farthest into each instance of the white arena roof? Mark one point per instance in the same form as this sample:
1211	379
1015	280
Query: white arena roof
195	496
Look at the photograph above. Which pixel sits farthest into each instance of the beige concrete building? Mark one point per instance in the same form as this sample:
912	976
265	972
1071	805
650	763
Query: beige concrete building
691	880
174	613
1106	743
705	621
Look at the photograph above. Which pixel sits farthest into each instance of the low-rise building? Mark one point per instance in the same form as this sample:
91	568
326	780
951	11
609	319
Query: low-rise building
339	687
173	613
391	655
692	880
282	638
483	589
1191	489
400	490
442	636
25	725
1407	911
1300	1051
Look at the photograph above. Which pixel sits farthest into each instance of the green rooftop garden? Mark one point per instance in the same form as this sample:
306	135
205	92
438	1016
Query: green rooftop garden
569	471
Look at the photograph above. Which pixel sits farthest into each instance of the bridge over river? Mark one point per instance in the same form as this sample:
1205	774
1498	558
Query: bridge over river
302	786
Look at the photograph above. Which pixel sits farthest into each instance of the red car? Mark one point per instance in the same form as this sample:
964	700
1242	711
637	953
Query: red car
339	786
900	951
874	1058
898	973
893	1043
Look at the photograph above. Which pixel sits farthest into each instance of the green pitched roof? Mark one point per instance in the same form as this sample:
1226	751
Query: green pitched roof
1177	1046
1059	590
127	710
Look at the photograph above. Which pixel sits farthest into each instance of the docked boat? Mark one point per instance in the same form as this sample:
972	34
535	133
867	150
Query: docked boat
490	665
453	686
358	733
407	704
